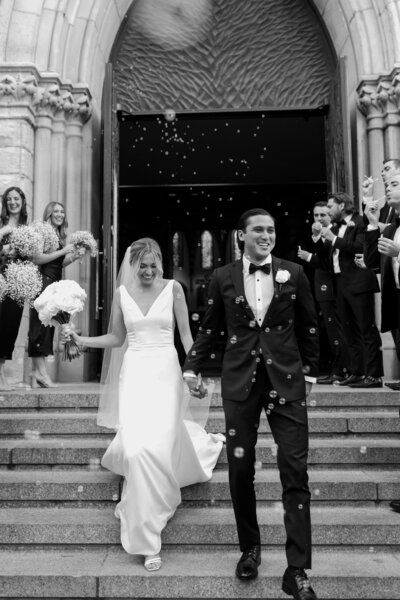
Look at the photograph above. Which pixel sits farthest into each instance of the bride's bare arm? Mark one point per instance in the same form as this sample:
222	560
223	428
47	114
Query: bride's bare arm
115	338
182	317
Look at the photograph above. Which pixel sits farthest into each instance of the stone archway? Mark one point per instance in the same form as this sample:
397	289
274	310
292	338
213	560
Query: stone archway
53	58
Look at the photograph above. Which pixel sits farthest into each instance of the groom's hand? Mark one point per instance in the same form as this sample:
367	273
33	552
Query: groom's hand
195	384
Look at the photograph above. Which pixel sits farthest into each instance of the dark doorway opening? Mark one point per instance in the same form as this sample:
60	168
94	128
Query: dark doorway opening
185	179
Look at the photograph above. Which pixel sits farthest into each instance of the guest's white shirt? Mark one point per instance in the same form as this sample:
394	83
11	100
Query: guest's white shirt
335	255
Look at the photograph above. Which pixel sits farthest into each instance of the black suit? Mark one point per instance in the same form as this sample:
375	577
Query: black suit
355	288
264	366
390	320
324	290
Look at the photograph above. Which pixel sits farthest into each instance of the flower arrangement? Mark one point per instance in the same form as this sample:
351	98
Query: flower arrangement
49	238
25	241
23	281
58	302
84	239
3	287
282	276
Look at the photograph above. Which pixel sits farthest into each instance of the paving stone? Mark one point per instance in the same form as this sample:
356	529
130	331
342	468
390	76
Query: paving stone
331	526
191	574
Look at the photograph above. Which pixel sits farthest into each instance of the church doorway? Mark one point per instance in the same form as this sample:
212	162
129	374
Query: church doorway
184	179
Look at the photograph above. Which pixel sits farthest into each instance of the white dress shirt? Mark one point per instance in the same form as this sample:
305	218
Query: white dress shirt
335	255
259	291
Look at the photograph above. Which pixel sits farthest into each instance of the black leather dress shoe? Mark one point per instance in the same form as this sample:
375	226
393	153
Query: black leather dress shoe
395	505
393	385
350	379
296	583
247	567
329	379
367	382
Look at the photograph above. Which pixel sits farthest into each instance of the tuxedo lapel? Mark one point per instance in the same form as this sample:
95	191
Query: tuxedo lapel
276	263
238	284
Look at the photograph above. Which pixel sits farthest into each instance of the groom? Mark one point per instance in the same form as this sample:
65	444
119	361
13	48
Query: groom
266	306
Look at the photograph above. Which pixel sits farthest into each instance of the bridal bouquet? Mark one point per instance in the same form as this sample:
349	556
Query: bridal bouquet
49	239
22	281
58	302
84	240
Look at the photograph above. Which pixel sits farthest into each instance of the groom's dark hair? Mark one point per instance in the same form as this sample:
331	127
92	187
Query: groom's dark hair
243	222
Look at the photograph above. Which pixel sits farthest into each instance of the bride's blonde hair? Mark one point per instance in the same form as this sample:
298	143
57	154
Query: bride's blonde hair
145	246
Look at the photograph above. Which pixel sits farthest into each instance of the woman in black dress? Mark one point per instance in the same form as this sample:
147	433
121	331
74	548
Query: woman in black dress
40	338
13	214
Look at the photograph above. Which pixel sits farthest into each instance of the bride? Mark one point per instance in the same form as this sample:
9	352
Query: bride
158	447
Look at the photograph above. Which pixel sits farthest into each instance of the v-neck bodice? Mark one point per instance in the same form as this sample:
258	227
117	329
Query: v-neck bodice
155	328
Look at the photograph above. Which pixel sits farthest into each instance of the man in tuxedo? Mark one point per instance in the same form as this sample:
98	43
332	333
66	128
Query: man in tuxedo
271	359
384	253
325	296
355	290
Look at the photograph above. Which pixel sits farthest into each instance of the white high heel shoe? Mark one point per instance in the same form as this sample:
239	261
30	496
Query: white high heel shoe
152	563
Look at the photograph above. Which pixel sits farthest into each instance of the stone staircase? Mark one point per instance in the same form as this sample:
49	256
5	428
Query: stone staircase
59	538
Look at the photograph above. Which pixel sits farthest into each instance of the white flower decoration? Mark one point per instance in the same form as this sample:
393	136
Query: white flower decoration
282	276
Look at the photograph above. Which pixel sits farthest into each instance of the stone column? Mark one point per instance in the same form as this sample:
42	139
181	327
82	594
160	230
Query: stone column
41	121
375	121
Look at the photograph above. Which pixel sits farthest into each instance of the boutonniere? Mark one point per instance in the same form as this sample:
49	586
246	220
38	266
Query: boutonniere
351	224
281	277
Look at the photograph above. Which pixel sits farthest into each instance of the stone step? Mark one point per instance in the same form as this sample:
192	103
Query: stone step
333	526
99	486
112	573
87	452
86	396
84	423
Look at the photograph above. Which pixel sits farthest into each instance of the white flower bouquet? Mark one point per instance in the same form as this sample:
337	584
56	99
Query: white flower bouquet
23	281
49	238
84	240
3	287
25	241
58	302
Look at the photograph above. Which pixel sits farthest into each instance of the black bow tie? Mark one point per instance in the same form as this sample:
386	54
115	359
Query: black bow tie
266	268
341	222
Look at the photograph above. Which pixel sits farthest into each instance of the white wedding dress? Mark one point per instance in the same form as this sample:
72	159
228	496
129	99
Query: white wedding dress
155	449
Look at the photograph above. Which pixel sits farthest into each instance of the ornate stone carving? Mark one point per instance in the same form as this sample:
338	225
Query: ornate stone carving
381	94
258	54
44	94
367	99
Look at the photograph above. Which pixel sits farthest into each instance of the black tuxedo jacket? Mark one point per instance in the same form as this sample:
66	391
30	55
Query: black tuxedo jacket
375	260
288	337
323	282
358	281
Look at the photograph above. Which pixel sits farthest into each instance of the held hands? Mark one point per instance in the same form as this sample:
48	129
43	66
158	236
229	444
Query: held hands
388	247
195	384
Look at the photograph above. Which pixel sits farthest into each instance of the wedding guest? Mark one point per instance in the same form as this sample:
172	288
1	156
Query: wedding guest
355	288
13	214
271	359
325	296
383	252
40	338
385	212
157	449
